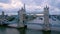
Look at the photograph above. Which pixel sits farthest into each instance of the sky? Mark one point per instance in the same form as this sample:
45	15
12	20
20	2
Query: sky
32	6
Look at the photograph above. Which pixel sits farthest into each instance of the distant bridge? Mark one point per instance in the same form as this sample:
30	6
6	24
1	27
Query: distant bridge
40	15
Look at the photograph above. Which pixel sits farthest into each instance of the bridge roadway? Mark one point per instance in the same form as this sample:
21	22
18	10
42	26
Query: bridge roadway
34	24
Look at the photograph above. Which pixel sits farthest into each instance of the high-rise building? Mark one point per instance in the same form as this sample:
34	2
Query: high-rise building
2	13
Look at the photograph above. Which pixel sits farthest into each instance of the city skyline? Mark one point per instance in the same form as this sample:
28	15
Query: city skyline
12	6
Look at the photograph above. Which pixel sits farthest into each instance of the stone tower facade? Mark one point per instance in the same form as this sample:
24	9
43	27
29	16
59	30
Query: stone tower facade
46	19
22	14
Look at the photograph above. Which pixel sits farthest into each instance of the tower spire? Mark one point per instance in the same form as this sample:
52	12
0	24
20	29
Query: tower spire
46	6
24	6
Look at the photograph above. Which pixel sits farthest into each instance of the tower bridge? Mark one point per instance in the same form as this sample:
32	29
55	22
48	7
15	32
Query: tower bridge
22	19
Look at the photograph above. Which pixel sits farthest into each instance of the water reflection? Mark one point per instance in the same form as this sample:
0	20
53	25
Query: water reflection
22	31
30	31
2	30
46	32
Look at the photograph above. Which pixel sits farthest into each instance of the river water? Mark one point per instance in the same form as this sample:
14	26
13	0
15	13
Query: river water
5	30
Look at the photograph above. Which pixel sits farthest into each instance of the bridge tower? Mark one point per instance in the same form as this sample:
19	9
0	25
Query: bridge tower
21	15
46	19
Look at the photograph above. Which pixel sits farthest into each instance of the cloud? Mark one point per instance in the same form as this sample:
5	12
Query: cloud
31	5
11	7
55	3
